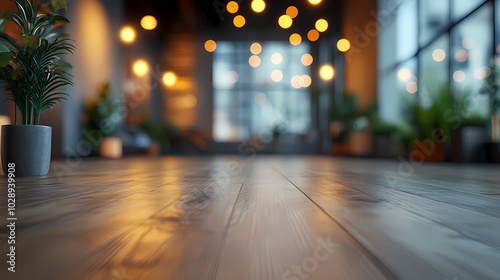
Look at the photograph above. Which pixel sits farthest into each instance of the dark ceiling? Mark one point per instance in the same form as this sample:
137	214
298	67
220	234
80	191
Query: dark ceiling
210	15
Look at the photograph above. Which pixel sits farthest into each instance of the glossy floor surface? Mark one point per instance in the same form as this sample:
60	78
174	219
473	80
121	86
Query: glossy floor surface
260	218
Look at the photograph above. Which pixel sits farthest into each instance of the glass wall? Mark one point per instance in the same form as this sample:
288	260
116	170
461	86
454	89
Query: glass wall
429	44
259	88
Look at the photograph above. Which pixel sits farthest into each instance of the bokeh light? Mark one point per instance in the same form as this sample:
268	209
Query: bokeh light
326	72
141	67
438	55
210	45
254	61
314	2
255	48
277	76
239	21
276	58
321	25
292	11
260	98
468	43
295	81
306	59
461	56
343	45
459	76
190	101
285	21
149	22
127	34
305	81
232	7
258	6
295	39
233	77
412	87
404	74
169	79
313	35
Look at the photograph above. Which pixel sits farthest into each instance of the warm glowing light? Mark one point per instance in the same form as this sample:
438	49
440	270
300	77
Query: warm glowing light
277	76
239	21
296	81
306	59
276	58
412	87
285	21
255	48
326	72
169	79
233	77
305	81
321	25
459	76
482	73
149	22
461	55
127	34
404	74
295	39
254	61
141	67
292	11
468	43
258	6
343	45
313	35
232	7
314	2
210	45
260	98
189	101
438	55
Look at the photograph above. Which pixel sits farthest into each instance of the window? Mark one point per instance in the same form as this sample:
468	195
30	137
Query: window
454	46
250	101
434	18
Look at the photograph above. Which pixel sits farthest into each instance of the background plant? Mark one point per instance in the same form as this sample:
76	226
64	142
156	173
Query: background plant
490	88
31	67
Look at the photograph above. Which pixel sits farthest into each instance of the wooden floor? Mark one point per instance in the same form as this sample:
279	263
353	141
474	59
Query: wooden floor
257	218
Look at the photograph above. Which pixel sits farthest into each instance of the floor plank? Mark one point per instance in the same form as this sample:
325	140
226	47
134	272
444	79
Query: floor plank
255	218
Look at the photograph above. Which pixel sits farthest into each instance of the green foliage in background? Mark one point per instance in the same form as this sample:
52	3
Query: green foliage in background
161	132
350	115
490	87
103	115
31	66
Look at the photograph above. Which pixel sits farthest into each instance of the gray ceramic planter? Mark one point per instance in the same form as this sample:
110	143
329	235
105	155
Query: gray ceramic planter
28	146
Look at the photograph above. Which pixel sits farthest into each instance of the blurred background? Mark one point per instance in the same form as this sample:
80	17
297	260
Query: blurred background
361	78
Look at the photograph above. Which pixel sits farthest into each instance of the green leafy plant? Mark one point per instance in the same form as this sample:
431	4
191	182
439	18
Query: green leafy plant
350	115
103	116
160	131
490	88
31	67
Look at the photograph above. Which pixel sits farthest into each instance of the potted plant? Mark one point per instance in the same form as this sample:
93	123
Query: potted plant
431	125
490	88
104	116
348	120
34	75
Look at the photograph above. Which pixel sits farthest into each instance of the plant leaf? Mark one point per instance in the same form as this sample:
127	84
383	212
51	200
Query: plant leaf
5	56
29	41
59	4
